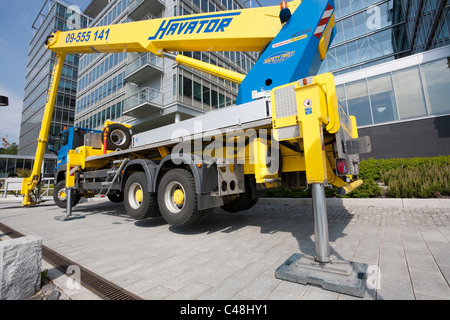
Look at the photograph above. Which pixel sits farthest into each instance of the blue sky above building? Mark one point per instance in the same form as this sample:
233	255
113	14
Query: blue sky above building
16	20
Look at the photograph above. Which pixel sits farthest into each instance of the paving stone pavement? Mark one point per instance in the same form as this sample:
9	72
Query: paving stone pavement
234	256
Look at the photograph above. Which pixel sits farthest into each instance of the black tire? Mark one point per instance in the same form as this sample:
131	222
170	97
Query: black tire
175	211
243	202
139	202
116	198
119	137
60	195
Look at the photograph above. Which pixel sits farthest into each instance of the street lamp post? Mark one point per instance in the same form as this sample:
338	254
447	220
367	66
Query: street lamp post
4	101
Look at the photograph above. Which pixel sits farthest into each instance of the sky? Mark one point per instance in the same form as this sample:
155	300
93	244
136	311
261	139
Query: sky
16	19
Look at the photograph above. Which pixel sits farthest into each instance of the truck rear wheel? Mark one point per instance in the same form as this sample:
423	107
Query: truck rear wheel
60	195
139	202
177	199
242	202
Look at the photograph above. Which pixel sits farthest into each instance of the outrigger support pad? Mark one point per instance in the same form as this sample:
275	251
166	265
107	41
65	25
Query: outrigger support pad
339	276
69	216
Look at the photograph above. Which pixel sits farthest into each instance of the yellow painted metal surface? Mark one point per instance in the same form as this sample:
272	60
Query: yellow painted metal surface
263	166
317	112
77	159
326	37
223	73
109	122
30	183
235	30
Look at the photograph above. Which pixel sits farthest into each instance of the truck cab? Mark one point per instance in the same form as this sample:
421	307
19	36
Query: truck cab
69	139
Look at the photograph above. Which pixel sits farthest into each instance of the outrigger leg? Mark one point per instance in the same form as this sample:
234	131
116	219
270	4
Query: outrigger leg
335	275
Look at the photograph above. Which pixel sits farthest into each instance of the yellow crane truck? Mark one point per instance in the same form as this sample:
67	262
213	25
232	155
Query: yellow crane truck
287	126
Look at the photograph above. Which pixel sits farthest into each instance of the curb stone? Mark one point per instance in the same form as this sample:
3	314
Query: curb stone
373	202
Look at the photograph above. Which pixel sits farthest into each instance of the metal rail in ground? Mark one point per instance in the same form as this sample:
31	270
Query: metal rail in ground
98	285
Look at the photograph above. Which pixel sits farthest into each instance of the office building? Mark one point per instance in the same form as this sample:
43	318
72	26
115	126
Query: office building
142	89
54	15
391	62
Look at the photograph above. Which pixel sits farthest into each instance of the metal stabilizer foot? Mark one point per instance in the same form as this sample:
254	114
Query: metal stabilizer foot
69	216
339	276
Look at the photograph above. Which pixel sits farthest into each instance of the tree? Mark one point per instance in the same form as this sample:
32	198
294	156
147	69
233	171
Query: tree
11	149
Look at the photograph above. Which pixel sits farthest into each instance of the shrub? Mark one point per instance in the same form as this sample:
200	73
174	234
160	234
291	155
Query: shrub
423	180
23	173
404	178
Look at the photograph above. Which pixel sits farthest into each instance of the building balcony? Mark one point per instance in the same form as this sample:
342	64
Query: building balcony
143	103
144	68
139	9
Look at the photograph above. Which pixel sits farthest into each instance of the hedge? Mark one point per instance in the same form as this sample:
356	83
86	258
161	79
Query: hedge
402	178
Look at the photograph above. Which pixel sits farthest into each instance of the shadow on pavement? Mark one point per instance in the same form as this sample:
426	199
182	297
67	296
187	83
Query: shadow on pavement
270	219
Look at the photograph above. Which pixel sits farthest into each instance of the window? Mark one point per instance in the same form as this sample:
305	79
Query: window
341	96
206	96
221	100
358	102
214	100
119	109
120	81
408	89
436	81
382	97
347	25
197	91
174	91
187	87
204	5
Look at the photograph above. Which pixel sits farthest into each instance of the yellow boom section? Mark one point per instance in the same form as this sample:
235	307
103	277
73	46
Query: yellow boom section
30	183
236	30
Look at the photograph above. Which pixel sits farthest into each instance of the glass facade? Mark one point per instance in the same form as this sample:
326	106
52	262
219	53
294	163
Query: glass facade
200	90
101	80
39	69
432	24
413	92
140	88
370	32
385	71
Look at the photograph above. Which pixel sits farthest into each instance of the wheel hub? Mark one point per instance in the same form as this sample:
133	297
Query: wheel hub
178	196
62	195
138	195
135	195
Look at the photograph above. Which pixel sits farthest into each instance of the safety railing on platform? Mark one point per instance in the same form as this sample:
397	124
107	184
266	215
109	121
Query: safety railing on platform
11	187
